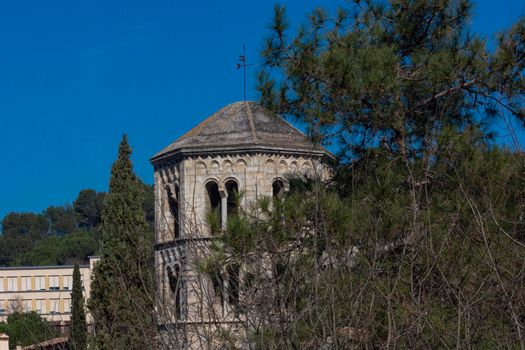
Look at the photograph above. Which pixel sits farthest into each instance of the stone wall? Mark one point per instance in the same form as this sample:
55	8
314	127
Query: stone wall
181	197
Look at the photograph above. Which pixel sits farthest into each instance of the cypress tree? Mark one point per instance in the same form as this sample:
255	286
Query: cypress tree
78	335
121	299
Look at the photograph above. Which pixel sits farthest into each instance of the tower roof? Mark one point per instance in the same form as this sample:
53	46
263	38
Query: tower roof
242	127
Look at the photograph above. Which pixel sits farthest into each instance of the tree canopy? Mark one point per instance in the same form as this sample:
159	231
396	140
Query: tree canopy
26	329
65	234
392	74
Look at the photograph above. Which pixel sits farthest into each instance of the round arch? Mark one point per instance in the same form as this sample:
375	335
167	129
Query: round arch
212	198
175	285
231	186
278	187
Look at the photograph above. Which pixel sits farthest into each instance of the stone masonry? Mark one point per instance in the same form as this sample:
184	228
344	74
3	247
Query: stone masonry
241	148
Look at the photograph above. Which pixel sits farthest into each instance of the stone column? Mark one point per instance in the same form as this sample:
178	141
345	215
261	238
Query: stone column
224	207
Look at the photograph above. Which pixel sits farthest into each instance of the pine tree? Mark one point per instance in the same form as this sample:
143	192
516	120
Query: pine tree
121	299
78	335
391	73
425	209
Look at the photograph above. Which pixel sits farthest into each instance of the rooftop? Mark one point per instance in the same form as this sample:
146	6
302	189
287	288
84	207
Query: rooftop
242	127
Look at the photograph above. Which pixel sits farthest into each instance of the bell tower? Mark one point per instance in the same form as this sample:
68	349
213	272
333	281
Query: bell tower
242	148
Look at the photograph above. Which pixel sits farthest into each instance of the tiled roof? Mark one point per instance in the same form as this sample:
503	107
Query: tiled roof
56	343
241	126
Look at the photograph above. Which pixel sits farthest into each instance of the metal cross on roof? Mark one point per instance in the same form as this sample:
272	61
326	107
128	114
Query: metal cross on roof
242	63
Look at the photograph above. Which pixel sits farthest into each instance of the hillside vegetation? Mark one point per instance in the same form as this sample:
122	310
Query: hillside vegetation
65	234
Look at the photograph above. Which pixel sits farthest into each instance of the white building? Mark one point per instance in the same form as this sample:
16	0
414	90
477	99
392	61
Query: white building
44	289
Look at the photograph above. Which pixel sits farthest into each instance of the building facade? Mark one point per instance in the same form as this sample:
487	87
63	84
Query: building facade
243	148
43	289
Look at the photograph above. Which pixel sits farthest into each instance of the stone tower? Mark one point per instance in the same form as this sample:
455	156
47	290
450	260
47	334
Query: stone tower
241	148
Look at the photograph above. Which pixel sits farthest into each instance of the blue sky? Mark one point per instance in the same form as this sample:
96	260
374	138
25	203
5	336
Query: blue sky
76	75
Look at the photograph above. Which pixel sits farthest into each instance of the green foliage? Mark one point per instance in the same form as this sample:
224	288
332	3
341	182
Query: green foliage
213	219
26	329
356	265
391	73
264	204
69	249
78	330
148	203
19	233
88	207
419	243
238	233
121	300
62	219
61	234
30	225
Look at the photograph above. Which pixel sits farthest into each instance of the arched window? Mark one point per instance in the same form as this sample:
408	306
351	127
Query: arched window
174	283
213	204
232	188
233	282
278	188
173	202
217	282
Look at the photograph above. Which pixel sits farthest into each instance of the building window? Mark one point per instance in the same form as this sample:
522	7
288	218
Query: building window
54	283
213	205
1	286
175	288
54	306
278	188
27	305
173	202
40	283
233	282
40	306
232	188
218	285
67	282
26	283
67	306
12	284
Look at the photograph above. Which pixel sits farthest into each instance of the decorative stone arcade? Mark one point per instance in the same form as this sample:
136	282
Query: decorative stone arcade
242	148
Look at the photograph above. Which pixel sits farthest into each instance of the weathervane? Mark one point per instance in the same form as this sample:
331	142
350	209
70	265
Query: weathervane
242	63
